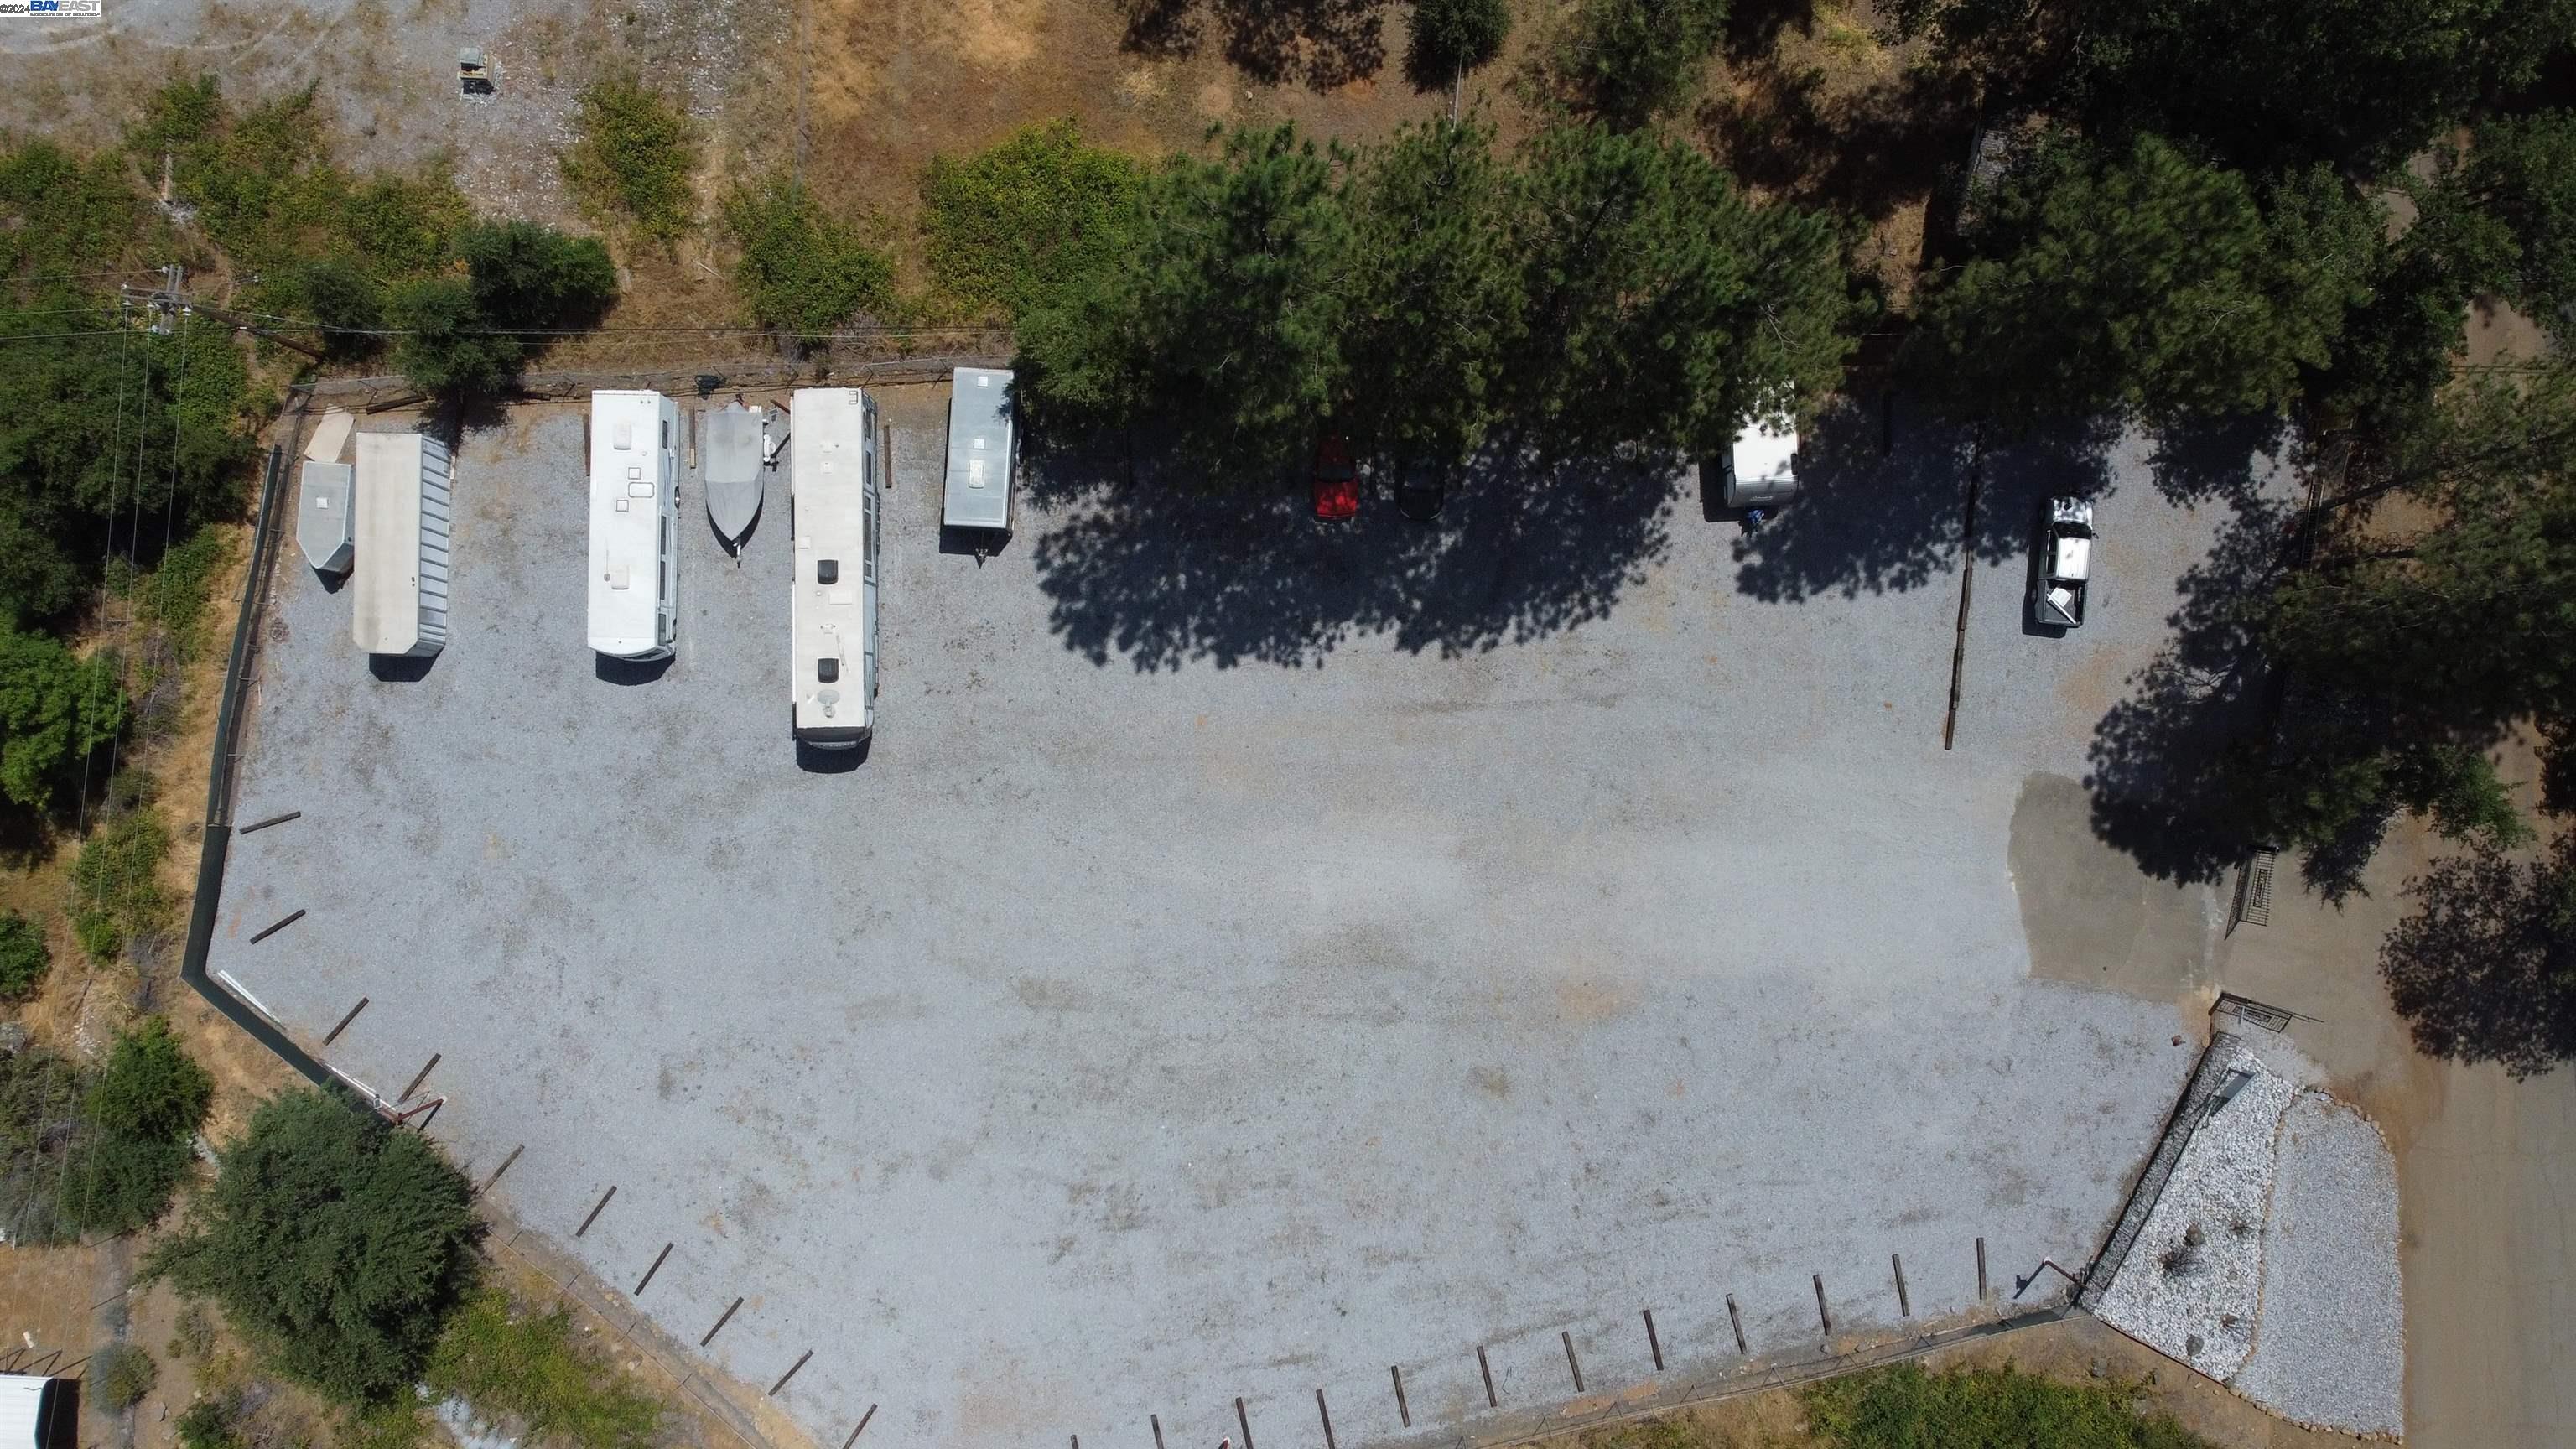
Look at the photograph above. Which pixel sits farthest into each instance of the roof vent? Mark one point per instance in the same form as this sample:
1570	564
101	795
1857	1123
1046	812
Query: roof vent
622	435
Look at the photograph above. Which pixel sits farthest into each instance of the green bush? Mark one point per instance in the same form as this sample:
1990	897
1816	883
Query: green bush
336	1244
634	157
116	883
209	1424
55	708
1445	38
123	1374
530	1368
1628	61
345	300
24	957
1008	224
470	328
802	269
138	1119
174	596
1905	1407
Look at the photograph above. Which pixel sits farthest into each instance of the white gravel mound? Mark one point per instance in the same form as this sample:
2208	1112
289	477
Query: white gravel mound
2330	1345
2270	1260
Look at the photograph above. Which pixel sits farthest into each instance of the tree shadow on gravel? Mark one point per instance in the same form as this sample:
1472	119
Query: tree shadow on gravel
2213	460
2158	759
2485	969
1882	500
1162	574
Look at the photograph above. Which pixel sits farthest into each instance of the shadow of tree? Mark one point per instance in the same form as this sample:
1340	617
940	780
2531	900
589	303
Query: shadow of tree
1753	26
2159	759
1897	140
2485	968
1161	575
2213	459
1317	43
1883	494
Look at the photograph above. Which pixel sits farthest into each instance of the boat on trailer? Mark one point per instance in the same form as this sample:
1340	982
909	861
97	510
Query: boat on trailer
733	463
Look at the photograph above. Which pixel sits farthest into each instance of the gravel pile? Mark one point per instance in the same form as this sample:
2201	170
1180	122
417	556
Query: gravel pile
2330	1346
2270	1261
2192	1283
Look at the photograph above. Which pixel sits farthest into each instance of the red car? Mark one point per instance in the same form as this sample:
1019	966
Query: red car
1337	479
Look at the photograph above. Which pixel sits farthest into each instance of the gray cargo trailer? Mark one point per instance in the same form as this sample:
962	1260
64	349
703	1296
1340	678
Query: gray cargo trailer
979	451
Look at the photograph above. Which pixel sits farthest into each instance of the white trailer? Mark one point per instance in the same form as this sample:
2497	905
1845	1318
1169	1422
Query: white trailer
832	611
979	451
403	485
634	524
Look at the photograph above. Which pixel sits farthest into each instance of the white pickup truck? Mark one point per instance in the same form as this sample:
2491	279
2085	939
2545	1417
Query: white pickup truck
2065	564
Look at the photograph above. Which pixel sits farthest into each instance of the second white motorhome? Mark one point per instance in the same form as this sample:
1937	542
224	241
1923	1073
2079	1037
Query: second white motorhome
832	614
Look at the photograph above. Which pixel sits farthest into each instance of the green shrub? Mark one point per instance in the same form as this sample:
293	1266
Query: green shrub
173	597
470	328
1445	38
1008	224
802	269
634	156
138	1117
24	957
1629	61
1905	1407
55	708
123	1374
192	1335
336	1244
345	300
116	883
209	1424
530	1368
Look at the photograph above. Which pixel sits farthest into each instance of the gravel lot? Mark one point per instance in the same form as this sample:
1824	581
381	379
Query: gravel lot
1253	955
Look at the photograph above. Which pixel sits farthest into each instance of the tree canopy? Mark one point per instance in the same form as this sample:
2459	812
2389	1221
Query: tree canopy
2521	171
55	708
1444	39
1629	61
2412	656
2270	84
1225	312
471	328
2141	280
1665	309
1437	307
333	1241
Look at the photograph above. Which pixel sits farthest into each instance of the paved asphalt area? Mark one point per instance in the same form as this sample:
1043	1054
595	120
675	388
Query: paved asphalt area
1254	954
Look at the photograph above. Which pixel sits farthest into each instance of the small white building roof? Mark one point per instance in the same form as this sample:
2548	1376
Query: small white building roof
627	484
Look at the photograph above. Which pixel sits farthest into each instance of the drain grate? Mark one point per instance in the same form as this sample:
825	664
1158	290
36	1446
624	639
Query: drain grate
2254	889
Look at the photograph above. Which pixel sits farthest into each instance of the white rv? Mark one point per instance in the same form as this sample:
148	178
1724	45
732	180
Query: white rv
832	613
634	524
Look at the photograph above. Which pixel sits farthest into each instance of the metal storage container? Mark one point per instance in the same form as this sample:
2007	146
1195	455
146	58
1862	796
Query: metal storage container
402	517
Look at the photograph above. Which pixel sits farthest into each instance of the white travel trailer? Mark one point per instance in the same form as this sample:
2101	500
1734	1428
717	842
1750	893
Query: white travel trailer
832	613
634	524
401	486
979	451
